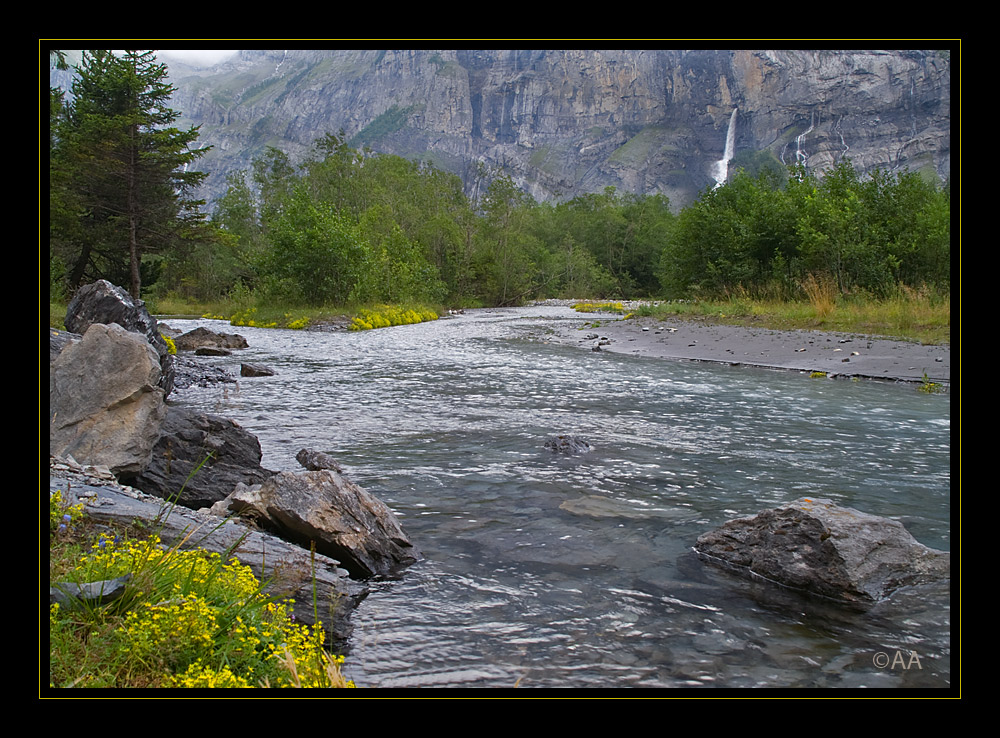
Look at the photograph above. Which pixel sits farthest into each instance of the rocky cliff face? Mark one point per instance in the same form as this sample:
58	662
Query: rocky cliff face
567	122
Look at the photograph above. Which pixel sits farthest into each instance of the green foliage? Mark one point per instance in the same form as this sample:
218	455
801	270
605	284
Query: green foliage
928	387
623	234
353	227
766	235
316	254
121	173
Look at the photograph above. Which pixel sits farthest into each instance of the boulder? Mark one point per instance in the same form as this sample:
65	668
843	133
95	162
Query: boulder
567	445
105	402
316	460
204	338
103	302
58	340
344	522
198	459
819	547
256	370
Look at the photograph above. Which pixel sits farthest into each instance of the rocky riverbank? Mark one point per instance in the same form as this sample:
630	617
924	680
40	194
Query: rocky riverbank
118	447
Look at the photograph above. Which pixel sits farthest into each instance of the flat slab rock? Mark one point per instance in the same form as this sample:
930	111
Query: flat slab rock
817	546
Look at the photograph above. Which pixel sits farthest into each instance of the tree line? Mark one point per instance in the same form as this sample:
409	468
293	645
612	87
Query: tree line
349	226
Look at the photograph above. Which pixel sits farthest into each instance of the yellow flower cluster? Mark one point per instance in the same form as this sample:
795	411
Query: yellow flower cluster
61	514
208	623
595	307
386	315
171	346
198	675
174	628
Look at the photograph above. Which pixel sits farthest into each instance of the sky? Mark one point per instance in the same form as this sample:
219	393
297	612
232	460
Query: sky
205	57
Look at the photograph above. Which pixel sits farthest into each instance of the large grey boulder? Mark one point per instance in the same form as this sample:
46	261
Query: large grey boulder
105	402
819	547
103	302
199	459
325	509
205	338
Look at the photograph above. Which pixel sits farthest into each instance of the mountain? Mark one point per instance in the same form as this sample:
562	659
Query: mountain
567	122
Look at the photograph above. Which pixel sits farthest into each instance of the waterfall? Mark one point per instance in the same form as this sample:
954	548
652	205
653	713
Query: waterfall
800	155
721	172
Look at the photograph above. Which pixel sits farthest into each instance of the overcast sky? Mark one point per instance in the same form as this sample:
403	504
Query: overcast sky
197	57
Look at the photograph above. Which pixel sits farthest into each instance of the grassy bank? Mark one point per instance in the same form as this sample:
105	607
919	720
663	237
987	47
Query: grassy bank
295	317
911	315
184	619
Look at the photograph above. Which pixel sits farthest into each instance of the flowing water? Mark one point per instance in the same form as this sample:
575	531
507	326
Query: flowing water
546	570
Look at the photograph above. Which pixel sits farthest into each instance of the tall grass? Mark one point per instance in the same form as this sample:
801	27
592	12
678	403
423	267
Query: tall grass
913	314
822	293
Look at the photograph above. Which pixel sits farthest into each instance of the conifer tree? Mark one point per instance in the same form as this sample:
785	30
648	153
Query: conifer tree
128	168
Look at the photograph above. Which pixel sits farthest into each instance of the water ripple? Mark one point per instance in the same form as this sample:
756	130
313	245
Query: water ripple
545	570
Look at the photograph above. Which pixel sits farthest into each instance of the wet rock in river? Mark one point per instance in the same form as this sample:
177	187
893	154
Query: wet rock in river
816	546
567	445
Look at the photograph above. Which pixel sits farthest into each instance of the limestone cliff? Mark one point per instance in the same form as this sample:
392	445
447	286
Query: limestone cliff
566	122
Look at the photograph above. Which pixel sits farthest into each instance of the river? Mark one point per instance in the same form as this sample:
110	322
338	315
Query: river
545	570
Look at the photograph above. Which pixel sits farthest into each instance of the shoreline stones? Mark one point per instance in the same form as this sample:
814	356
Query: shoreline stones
325	510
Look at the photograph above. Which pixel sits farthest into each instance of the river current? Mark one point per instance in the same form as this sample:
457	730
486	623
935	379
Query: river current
548	570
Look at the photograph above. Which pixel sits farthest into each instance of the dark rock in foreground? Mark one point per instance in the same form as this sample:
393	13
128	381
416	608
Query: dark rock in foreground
821	548
199	459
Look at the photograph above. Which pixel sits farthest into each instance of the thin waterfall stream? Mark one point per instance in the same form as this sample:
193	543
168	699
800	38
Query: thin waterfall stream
548	570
